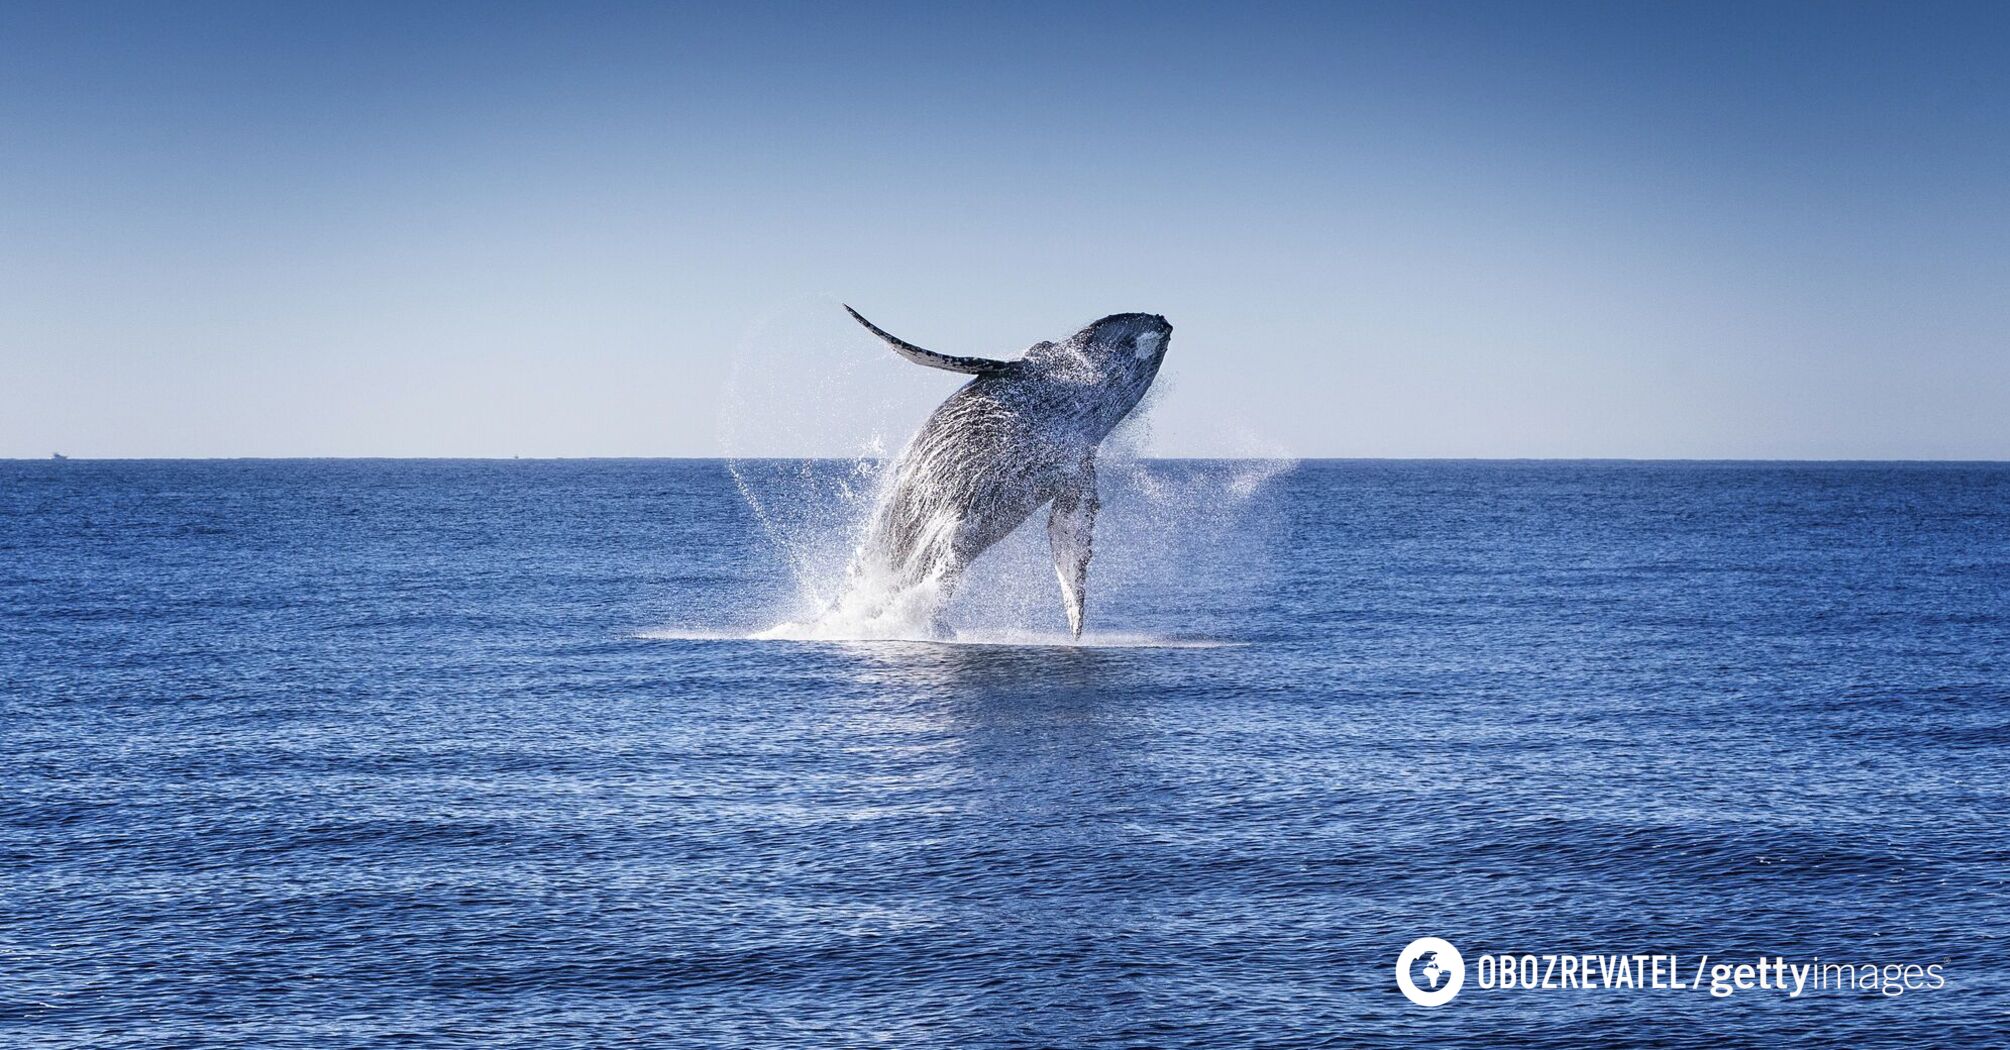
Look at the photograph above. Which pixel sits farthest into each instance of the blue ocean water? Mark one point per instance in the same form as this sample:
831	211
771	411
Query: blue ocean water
439	753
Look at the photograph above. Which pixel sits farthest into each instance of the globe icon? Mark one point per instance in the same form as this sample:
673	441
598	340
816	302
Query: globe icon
1430	971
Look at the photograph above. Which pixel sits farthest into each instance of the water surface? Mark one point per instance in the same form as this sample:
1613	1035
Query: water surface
435	753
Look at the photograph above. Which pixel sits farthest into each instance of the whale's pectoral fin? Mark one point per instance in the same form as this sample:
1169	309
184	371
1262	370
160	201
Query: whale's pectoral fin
1069	526
969	365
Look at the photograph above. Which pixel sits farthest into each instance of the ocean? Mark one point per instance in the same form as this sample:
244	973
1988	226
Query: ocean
482	754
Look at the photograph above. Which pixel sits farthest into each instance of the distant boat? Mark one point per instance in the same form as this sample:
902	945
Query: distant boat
57	455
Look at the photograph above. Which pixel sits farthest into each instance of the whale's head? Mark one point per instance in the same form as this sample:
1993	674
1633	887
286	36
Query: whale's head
1124	339
1122	348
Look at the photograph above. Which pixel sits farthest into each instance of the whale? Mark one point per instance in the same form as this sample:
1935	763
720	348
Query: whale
1022	434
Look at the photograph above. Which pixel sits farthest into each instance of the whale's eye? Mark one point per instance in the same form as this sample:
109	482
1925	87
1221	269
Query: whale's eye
1147	344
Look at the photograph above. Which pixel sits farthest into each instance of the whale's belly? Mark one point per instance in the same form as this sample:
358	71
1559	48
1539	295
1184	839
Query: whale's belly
978	469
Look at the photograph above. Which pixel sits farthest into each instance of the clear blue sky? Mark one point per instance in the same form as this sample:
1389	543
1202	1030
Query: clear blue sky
1486	229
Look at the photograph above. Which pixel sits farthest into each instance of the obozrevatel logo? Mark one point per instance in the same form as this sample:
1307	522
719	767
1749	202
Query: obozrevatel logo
1439	966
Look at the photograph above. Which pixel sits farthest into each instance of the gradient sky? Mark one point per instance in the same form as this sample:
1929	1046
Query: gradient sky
1486	229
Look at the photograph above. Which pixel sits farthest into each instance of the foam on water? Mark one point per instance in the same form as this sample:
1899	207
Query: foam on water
1004	638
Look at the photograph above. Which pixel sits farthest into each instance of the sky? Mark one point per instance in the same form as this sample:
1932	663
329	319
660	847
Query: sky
1644	230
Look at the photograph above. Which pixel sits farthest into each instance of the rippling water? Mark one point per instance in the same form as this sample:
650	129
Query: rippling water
476	754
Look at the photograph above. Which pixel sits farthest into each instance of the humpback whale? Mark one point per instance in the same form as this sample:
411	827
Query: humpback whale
1022	434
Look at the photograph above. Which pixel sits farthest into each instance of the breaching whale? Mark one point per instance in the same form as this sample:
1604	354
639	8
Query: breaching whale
1020	435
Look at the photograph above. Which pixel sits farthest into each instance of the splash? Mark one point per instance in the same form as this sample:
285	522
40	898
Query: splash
1169	531
883	592
874	605
1173	537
